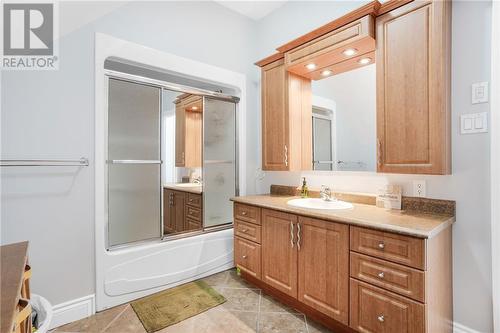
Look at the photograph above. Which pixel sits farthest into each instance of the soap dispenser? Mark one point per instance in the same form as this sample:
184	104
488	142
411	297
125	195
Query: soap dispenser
304	192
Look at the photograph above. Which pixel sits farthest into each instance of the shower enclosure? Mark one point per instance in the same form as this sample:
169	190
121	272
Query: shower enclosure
171	160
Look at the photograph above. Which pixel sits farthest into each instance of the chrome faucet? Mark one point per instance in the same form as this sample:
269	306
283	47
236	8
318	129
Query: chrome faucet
197	180
326	193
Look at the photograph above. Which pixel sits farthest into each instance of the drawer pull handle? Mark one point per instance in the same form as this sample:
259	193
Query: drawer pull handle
244	257
243	213
381	275
381	318
381	245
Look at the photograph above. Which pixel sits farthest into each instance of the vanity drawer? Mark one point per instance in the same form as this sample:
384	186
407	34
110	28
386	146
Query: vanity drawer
247	213
374	310
401	249
193	213
247	230
194	200
400	279
247	256
192	225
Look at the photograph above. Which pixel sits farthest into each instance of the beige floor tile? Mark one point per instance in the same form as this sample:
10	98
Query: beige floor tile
93	324
269	304
219	279
127	322
314	327
240	299
233	280
282	323
219	320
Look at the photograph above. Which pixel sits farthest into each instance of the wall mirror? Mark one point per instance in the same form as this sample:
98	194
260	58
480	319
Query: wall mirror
171	157
344	119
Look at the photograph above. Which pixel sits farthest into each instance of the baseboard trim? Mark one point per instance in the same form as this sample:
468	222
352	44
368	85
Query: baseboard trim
459	328
73	310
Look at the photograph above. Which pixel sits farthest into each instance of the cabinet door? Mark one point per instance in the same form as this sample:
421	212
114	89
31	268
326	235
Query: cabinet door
413	88
374	310
179	210
279	252
180	135
323	259
168	212
274	117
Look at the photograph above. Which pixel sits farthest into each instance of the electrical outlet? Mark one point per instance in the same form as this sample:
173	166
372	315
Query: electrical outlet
419	188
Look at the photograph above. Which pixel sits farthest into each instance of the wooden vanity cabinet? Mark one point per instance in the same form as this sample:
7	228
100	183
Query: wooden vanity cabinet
173	211
413	88
350	278
188	131
323	267
182	211
279	252
286	119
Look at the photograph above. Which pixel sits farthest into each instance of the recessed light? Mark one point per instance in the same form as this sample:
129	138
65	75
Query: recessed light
349	52
311	66
364	61
194	108
326	72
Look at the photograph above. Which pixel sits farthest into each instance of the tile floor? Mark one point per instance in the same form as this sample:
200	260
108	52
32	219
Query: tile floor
247	310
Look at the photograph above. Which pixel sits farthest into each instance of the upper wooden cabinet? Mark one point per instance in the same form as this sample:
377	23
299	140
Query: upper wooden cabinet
286	119
413	89
410	43
188	131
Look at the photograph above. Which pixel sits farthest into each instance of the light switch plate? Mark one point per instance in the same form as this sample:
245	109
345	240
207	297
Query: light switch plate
419	188
474	123
479	92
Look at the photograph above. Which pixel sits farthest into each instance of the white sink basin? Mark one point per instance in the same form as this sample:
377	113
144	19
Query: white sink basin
316	203
188	185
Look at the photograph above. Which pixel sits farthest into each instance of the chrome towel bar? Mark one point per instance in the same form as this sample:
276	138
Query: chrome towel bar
83	161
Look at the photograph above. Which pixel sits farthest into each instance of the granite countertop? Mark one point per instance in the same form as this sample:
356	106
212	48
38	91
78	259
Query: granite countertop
412	223
190	189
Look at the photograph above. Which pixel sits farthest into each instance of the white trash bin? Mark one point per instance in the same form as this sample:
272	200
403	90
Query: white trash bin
44	312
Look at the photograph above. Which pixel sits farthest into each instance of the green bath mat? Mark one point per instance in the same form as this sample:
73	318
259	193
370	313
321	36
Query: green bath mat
174	305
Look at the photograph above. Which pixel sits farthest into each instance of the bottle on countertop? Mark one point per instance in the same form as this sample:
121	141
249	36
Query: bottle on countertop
304	191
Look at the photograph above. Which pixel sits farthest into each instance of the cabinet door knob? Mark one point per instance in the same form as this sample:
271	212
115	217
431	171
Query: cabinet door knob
244	230
244	257
190	200
381	318
381	245
381	275
243	213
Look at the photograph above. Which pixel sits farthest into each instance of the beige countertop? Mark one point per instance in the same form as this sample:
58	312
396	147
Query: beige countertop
190	189
422	225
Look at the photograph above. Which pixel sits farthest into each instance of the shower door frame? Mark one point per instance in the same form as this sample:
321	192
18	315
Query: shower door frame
163	85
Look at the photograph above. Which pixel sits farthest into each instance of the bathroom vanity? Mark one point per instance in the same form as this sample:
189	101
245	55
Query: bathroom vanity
182	207
364	269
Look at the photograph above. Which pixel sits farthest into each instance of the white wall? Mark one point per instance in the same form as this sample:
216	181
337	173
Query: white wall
470	183
354	95
51	114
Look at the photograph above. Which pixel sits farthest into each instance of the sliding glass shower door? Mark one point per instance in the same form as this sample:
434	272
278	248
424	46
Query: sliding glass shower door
134	190
219	161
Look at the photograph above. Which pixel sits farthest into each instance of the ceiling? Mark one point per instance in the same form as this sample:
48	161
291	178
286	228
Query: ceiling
252	9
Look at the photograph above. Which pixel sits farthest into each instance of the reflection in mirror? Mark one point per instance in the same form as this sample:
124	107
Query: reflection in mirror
182	118
344	121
